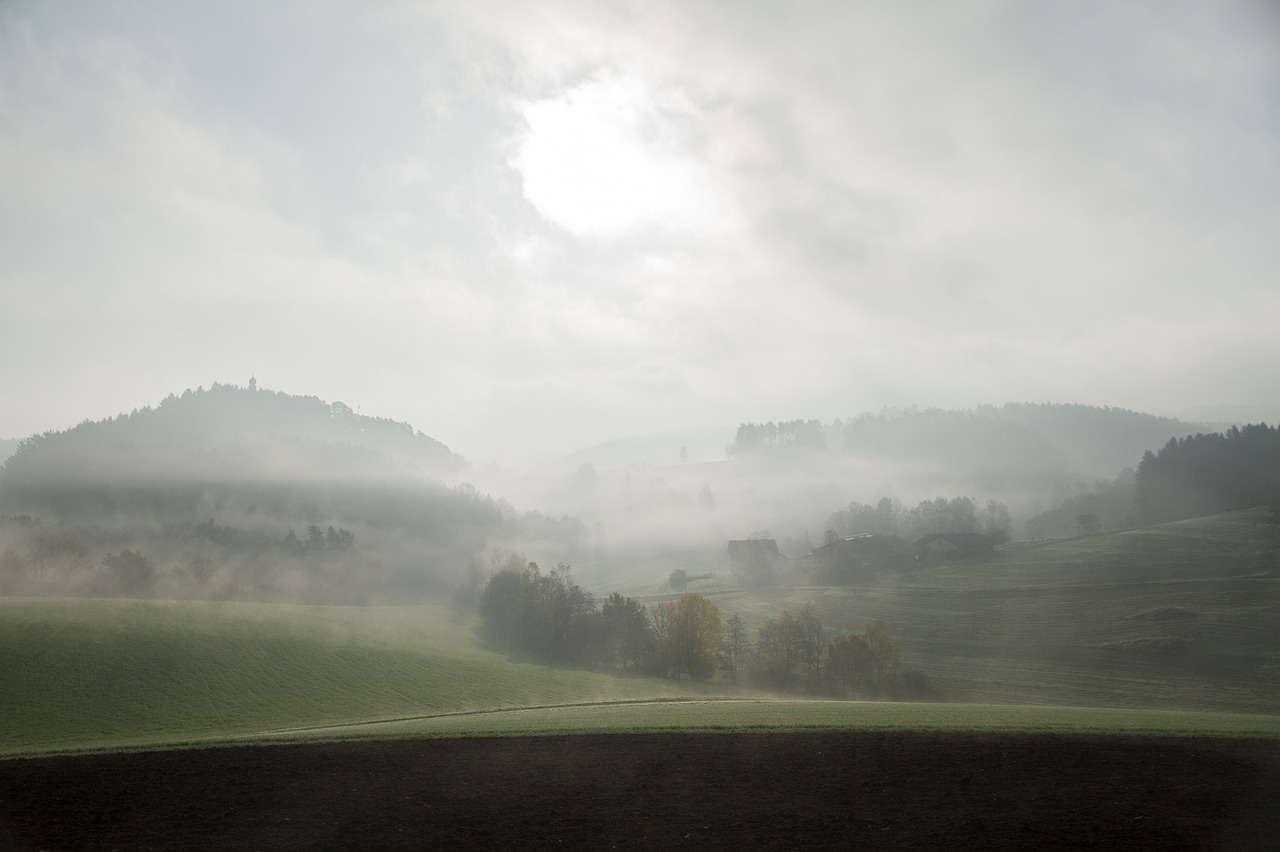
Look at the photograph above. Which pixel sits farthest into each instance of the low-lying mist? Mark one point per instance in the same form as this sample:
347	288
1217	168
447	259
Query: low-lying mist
240	493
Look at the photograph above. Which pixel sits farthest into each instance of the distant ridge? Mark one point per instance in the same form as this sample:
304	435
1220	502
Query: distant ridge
208	448
240	494
183	429
1014	442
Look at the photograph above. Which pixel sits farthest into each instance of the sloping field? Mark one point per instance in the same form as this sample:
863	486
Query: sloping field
102	674
1178	616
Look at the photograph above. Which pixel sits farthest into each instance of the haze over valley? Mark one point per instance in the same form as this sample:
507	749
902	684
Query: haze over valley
493	424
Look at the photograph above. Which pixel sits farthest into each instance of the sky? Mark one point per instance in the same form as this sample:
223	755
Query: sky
530	227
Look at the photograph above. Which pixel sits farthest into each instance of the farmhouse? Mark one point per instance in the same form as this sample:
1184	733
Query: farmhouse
757	559
857	558
954	544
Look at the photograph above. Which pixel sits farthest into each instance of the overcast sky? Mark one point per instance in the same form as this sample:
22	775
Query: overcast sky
528	227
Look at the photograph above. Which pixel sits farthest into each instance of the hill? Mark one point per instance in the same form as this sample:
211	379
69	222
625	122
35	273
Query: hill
114	673
225	434
246	494
1020	446
1176	616
788	477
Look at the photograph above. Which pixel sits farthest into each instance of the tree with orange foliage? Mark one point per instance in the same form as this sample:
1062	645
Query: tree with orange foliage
693	636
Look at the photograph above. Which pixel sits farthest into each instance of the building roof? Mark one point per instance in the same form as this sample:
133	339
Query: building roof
963	541
752	546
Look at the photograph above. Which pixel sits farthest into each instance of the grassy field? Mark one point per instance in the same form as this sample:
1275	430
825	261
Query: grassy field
101	674
786	716
1182	617
1179	616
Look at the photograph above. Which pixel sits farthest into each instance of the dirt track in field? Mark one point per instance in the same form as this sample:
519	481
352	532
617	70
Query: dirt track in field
729	791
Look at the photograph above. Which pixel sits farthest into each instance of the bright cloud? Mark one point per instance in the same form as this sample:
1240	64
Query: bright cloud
537	226
609	158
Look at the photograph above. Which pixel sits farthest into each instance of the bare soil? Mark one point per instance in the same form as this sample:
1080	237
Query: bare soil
727	791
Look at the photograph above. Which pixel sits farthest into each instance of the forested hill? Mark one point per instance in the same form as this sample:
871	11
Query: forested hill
264	452
1014	441
246	494
1209	474
230	433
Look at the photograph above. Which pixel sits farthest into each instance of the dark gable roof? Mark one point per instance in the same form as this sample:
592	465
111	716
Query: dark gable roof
861	543
961	541
748	547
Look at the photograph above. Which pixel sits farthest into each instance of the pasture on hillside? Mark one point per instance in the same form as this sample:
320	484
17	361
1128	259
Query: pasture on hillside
1177	616
1180	617
102	674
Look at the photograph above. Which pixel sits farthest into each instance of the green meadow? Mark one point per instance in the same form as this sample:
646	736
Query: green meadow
781	715
1164	630
102	674
1178	616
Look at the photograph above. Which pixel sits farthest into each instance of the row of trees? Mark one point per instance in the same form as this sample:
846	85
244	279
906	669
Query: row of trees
791	654
548	616
206	560
787	434
940	515
1108	506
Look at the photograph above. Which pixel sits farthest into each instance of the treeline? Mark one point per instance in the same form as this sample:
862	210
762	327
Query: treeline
187	561
1107	507
940	515
784	435
1207	474
549	617
792	654
1026	445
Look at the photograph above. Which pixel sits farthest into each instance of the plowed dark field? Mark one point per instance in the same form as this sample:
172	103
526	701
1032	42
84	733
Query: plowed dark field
730	791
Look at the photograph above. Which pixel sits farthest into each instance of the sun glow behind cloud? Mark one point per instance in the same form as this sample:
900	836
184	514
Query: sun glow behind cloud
610	158
511	212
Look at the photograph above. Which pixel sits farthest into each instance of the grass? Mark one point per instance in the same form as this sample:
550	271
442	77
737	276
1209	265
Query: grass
102	674
729	715
1178	616
1107	634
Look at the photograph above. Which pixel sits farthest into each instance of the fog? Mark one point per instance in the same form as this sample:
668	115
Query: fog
250	493
514	276
532	228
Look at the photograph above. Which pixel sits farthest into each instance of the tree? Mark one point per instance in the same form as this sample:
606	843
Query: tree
131	571
628	636
779	652
543	614
660	664
997	522
500	606
679	580
736	648
886	655
1088	524
694	635
809	637
850	666
868	665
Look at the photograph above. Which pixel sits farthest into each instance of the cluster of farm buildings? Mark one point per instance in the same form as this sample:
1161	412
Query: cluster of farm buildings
851	559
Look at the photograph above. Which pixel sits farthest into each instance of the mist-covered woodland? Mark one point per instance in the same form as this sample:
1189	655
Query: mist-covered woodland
250	494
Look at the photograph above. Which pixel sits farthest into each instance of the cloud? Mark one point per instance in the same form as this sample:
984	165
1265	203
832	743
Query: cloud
609	157
545	224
